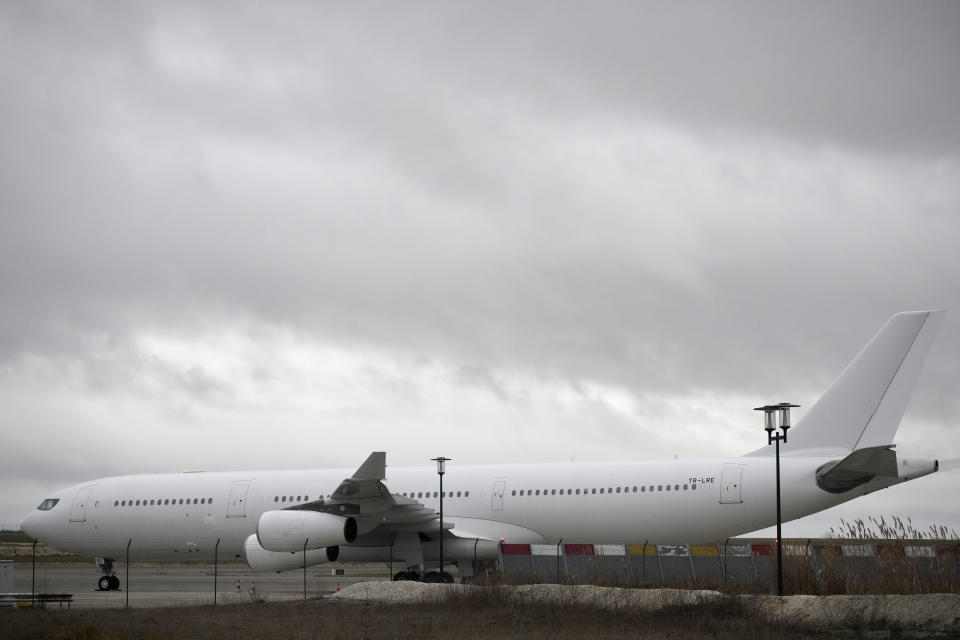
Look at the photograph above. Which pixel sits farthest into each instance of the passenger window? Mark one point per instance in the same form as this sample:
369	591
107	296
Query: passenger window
685	487
298	498
466	494
601	489
659	487
676	487
693	487
458	494
643	489
203	501
618	489
276	498
593	491
116	503
668	487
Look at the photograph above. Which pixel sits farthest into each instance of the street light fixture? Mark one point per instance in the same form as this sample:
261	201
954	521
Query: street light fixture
441	469
770	426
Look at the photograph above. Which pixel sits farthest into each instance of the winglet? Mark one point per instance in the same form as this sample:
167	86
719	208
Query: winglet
373	468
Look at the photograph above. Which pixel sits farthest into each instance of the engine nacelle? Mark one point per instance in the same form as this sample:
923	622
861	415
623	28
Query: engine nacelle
291	530
264	561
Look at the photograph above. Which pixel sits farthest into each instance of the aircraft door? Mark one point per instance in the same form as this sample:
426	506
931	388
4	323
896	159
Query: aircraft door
730	485
237	505
498	488
78	512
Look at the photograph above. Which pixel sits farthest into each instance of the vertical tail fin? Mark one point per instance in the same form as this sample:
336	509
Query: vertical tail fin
863	407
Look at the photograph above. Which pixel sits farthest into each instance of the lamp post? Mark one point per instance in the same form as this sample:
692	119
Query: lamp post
770	425
441	469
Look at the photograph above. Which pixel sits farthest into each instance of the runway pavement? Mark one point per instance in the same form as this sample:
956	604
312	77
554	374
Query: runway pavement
159	585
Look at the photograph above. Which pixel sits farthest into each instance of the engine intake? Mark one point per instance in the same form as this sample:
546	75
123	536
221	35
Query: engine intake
296	530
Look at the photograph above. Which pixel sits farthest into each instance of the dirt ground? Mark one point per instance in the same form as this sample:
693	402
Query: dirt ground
540	611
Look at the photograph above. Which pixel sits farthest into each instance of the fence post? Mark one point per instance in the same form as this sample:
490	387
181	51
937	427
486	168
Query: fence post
558	560
305	568
723	560
216	549
643	567
127	605
33	578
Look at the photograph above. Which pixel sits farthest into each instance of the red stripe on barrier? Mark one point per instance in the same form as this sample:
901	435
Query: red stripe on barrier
763	550
515	549
578	549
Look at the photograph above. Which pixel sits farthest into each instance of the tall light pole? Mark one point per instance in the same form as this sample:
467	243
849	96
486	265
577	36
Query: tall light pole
441	469
770	425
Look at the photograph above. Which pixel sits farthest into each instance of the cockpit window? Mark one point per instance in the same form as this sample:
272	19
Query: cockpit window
48	504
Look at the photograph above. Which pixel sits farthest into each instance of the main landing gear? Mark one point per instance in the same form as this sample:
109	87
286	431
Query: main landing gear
108	581
429	576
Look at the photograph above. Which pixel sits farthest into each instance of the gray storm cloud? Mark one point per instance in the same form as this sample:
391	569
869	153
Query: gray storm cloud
543	216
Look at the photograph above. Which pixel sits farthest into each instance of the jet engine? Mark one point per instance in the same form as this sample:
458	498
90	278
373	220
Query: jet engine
298	530
263	561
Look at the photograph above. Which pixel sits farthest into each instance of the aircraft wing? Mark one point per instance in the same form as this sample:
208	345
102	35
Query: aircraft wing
378	512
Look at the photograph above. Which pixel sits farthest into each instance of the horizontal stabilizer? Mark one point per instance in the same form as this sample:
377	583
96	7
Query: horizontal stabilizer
864	465
861	466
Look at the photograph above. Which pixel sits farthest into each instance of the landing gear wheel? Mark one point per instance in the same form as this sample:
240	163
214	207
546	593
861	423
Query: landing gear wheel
436	576
412	576
114	583
104	583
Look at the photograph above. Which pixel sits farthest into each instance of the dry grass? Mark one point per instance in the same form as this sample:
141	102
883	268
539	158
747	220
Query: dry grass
479	613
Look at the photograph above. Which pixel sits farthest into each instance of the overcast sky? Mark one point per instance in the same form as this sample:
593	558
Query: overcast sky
286	234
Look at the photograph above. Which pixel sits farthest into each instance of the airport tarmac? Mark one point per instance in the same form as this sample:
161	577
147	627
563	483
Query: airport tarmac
159	585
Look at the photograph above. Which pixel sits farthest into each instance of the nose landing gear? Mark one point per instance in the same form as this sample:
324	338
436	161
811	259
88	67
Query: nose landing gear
108	581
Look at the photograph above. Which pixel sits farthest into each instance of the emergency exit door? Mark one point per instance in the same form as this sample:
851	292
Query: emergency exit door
237	506
730	481
498	488
78	513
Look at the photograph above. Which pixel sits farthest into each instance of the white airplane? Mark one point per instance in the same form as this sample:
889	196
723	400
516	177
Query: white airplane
282	520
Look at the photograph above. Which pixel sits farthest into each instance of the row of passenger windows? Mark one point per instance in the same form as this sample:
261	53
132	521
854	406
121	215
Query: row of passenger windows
642	489
436	494
290	498
161	503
